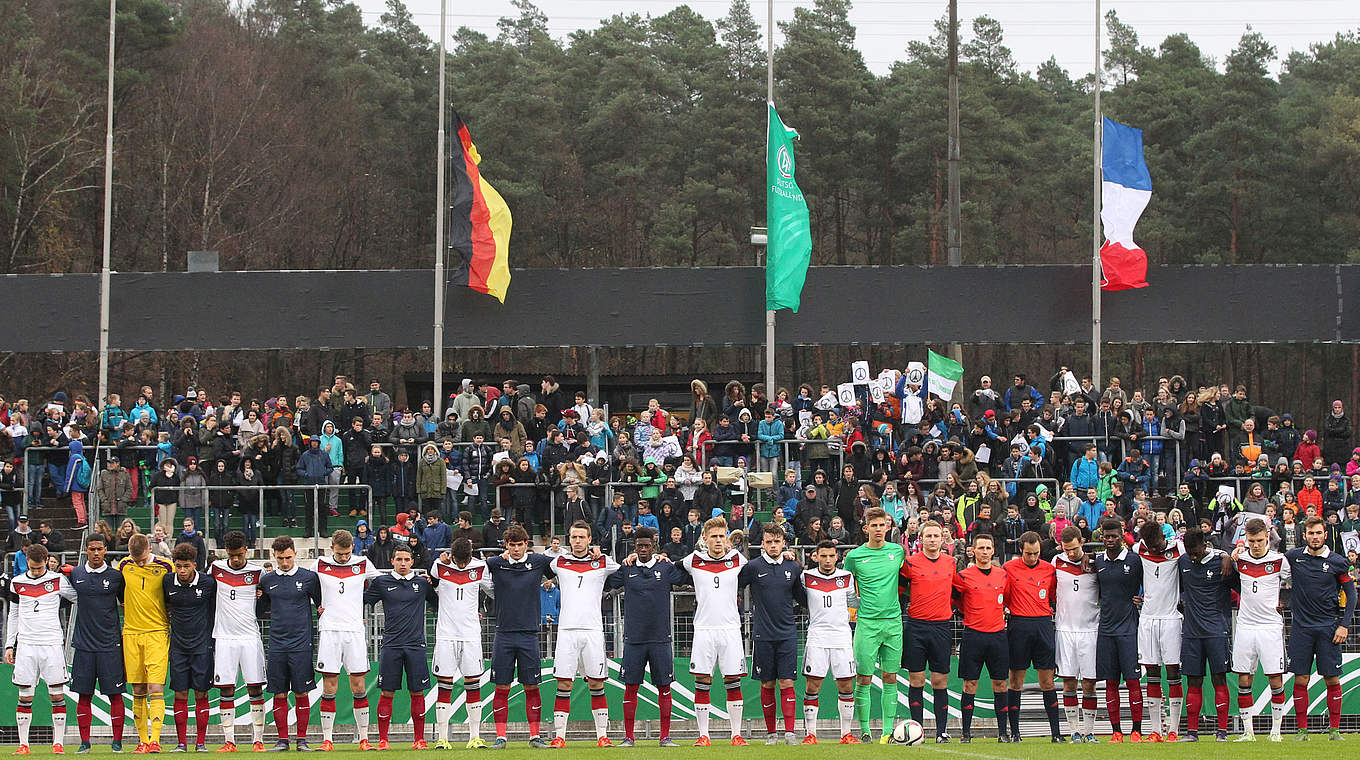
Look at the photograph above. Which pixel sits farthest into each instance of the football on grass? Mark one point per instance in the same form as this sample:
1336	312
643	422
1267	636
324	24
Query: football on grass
908	732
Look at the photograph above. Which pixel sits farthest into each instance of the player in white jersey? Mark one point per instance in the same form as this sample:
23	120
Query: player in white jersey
460	580
1159	628
341	642
33	642
1258	637
1076	622
830	642
581	574
237	644
717	626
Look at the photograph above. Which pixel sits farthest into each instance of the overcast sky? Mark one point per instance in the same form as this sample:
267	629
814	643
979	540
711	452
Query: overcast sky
1035	29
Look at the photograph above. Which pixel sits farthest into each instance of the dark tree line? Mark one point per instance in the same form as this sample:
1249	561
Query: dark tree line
291	134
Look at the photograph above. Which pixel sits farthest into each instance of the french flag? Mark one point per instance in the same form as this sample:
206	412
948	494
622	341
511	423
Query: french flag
1125	192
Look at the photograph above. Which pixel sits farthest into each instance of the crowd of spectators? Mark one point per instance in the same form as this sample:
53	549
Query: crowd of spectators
1001	461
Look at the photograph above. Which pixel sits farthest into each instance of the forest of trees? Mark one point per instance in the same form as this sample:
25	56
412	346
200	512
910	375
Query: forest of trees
291	134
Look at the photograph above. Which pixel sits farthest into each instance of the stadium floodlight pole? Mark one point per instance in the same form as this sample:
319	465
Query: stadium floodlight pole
769	98
439	216
1095	220
108	226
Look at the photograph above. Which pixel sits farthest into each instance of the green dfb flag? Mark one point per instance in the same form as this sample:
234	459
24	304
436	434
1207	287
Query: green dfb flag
789	248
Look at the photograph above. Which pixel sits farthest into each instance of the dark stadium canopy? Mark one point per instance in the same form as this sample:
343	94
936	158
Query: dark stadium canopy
680	307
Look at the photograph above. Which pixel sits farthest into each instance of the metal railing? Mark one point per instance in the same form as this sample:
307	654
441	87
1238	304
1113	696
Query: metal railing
315	489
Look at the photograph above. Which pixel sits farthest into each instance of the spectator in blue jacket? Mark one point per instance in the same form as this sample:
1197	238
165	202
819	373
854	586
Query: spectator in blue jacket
436	534
363	538
1019	391
1091	509
1086	470
770	432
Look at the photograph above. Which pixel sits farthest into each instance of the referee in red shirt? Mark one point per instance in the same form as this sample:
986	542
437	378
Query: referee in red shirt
929	638
1030	589
980	593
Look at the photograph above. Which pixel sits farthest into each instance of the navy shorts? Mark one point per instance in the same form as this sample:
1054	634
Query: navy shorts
393	662
1308	644
513	652
105	667
1117	657
774	659
657	655
1199	653
981	648
1033	641
191	670
289	671
928	644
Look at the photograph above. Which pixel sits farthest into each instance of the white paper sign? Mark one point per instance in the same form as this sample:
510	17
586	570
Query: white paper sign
859	373
916	373
827	401
887	381
876	393
845	394
805	418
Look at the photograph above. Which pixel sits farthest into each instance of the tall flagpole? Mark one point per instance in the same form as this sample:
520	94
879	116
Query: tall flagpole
437	403
769	98
108	226
1095	220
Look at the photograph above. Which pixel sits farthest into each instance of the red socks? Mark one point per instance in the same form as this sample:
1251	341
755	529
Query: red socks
533	710
1301	704
83	715
1135	702
201	719
788	698
1334	705
500	709
1221	705
1194	703
1174	690
182	719
384	716
1112	704
630	700
418	714
281	715
664	703
767	707
116	709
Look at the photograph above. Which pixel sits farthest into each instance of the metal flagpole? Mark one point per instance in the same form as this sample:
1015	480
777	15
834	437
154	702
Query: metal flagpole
769	97
1095	220
108	228
437	405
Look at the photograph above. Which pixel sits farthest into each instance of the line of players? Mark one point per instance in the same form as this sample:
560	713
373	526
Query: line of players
204	629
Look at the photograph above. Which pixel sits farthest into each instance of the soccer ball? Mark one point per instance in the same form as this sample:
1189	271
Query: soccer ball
908	732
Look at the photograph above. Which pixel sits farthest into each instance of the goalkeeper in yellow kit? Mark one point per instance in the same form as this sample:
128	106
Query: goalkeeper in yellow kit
146	639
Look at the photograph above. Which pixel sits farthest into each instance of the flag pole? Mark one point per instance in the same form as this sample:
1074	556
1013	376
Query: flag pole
437	405
1095	219
108	228
769	99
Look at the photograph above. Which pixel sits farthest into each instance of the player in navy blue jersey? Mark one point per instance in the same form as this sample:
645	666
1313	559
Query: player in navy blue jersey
647	646
1320	626
775	585
403	595
97	641
1207	580
1119	577
287	595
516	577
189	603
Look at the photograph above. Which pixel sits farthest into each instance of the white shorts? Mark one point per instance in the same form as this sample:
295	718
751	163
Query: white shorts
579	653
342	649
818	661
1252	646
718	649
1076	654
1159	641
33	662
232	656
458	659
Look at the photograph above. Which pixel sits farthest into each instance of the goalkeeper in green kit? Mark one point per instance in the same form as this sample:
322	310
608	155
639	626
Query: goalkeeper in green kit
878	628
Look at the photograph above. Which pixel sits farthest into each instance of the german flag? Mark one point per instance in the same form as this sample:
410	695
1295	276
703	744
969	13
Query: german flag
479	223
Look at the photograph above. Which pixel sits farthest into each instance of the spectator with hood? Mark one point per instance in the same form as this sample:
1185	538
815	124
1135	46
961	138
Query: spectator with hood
1336	436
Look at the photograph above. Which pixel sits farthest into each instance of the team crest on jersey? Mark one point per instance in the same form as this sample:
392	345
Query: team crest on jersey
728	563
48	586
840	583
198	592
1270	568
657	573
788	574
415	586
473	575
356	569
250	577
106	583
1126	569
595	565
299	585
1043	593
